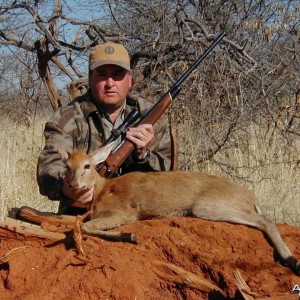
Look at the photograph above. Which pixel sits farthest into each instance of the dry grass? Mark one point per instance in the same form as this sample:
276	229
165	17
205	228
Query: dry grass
261	159
20	146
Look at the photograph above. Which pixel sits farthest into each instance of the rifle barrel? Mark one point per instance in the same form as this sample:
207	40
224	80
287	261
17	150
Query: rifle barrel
199	60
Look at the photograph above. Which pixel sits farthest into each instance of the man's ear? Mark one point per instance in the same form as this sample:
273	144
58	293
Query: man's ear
101	154
130	81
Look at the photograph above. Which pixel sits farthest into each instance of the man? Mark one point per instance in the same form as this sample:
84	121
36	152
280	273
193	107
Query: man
89	120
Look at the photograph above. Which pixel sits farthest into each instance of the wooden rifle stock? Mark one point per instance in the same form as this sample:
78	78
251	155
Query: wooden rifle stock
124	149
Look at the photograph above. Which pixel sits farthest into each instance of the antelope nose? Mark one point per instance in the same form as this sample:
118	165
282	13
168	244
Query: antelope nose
74	186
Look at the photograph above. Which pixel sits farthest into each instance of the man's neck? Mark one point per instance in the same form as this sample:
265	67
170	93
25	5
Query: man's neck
113	115
113	112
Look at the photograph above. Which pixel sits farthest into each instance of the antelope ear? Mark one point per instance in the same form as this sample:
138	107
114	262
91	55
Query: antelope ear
65	155
101	154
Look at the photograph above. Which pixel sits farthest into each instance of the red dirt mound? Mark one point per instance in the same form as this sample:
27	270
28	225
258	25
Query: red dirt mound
176	258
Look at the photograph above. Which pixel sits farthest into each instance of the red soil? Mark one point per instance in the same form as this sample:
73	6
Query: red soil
43	269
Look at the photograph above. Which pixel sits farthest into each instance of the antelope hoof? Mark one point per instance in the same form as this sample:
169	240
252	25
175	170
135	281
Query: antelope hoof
129	238
134	239
297	268
293	264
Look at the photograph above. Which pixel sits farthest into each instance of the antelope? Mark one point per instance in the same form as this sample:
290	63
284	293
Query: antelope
139	196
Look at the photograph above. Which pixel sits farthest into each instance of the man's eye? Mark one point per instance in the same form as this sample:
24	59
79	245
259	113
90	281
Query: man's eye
101	74
119	74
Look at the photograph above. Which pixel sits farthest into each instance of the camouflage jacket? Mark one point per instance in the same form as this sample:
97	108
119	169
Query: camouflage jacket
80	125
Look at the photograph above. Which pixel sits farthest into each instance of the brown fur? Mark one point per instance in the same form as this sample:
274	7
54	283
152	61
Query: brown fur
137	196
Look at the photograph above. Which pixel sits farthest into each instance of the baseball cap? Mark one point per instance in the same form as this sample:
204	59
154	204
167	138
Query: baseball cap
109	54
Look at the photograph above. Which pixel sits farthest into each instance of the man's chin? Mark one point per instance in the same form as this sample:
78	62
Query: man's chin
111	102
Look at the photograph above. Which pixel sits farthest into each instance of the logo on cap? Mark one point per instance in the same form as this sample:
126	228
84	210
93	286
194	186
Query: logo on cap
109	50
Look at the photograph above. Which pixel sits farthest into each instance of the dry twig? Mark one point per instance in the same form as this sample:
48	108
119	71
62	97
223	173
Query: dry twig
184	277
12	253
26	230
243	286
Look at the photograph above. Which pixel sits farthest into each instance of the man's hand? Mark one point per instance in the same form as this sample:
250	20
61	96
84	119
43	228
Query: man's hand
82	196
141	136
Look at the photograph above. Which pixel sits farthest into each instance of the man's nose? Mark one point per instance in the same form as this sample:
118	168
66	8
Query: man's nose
109	81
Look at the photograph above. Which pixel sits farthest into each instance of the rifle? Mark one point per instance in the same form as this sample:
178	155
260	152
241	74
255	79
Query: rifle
124	149
132	116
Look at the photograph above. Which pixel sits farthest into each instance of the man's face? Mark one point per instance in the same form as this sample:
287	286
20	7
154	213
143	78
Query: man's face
110	85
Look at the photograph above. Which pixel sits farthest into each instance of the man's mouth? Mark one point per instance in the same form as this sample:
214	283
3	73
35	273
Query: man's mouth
110	92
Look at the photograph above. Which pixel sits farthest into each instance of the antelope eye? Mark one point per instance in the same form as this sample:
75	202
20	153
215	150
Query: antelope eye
87	167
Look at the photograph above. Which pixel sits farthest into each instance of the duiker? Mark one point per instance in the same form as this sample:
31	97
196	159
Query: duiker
138	196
